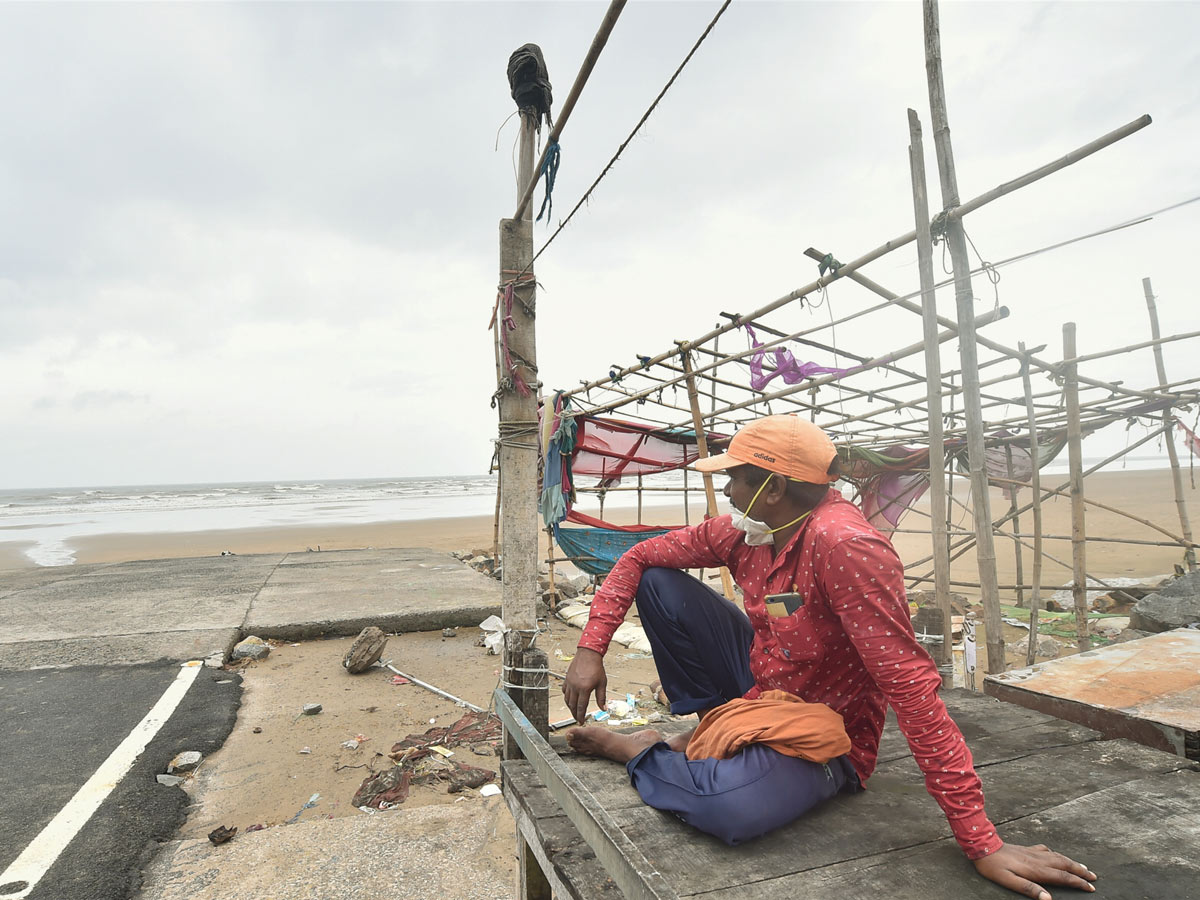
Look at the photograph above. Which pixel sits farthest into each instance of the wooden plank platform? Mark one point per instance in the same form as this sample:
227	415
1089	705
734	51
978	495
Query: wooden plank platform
1130	813
1146	690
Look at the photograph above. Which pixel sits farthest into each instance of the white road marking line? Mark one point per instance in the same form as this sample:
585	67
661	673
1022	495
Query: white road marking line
35	860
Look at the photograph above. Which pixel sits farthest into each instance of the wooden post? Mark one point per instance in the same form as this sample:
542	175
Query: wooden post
710	495
1011	490
1075	457
1035	597
933	383
1168	415
967	348
550	559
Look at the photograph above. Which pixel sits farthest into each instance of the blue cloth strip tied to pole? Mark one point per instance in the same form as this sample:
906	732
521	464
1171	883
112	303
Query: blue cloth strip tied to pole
549	170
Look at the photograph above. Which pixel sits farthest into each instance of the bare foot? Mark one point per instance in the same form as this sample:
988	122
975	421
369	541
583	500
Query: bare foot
679	742
599	741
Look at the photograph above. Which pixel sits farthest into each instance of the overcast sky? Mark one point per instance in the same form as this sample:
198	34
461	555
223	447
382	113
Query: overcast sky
245	242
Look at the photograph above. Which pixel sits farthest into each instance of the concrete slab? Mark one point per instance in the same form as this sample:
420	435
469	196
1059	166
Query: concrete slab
430	852
342	592
118	649
1146	690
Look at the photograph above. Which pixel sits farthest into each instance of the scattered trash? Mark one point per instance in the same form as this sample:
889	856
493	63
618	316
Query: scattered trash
638	655
311	709
439	749
639	720
350	744
225	681
370	709
304	751
366	650
228	553
312	801
489	790
184	762
221	834
618	708
257	729
493	634
600	715
251	648
214	661
433	721
558	654
254	828
562	723
435	690
387	787
449	632
400	679
169	780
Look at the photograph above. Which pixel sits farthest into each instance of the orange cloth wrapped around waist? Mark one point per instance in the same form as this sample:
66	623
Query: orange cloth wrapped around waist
778	719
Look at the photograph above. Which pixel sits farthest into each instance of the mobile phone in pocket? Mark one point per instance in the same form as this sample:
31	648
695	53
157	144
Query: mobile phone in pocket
781	605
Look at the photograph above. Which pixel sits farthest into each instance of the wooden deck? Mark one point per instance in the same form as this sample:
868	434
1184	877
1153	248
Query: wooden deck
1130	813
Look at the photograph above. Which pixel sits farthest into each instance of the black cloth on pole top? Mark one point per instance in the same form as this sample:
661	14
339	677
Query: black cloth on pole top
529	81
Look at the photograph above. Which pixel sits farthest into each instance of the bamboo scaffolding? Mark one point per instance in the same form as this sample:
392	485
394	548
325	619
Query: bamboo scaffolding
1035	484
1168	416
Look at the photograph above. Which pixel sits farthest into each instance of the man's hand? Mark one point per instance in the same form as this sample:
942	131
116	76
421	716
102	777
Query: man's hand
584	675
1026	869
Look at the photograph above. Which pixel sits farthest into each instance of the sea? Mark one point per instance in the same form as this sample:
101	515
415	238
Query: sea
45	521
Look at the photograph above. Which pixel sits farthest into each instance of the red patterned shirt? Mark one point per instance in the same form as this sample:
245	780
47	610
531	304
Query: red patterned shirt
850	646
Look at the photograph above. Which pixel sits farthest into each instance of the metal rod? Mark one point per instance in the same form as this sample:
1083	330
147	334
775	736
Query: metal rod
436	690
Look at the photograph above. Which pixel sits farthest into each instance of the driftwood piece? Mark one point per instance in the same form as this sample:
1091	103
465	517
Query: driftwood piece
365	651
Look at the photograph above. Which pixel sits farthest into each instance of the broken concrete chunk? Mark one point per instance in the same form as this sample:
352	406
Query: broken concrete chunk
311	709
184	762
169	780
449	632
251	648
366	650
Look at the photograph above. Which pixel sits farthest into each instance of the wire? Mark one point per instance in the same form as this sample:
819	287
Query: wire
632	135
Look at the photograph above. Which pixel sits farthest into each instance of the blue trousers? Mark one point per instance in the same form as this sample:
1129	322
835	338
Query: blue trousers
701	645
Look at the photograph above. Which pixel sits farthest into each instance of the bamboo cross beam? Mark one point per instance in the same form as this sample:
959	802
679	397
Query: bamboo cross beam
564	114
985	319
908	237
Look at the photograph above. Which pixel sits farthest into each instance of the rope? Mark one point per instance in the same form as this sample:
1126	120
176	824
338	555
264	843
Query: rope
632	134
550	170
509	431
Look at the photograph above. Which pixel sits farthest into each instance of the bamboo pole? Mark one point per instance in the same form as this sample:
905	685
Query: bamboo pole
639	493
1036	485
933	376
883	249
1011	490
1168	416
525	182
985	552
710	495
1075	451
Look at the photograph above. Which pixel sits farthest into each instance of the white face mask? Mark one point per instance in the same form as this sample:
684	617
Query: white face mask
757	533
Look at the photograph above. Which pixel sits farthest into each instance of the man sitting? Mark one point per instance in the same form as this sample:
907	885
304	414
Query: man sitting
826	620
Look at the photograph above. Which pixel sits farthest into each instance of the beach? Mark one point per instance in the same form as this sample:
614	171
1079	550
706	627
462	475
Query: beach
1145	493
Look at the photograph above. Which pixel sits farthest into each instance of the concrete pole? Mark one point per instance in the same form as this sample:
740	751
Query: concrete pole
519	451
968	350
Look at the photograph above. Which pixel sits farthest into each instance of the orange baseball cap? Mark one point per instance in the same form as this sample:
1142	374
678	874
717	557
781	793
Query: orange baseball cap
787	445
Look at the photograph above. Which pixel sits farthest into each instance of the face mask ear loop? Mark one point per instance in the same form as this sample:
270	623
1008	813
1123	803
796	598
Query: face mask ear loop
755	497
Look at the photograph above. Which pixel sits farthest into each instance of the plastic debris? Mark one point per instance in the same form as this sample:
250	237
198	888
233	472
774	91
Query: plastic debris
169	780
558	654
493	634
400	679
312	801
442	751
304	751
311	709
350	744
489	790
449	633
600	715
618	708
